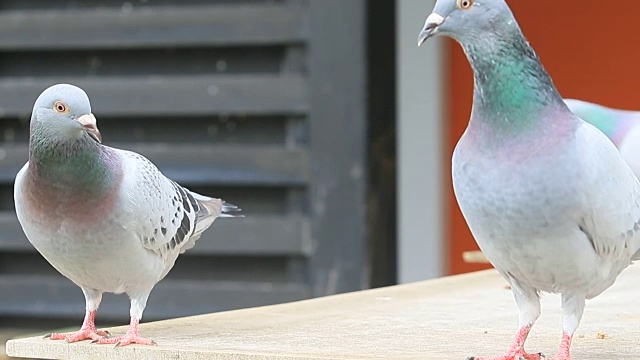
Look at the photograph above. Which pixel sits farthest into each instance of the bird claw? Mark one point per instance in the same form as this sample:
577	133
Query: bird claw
119	343
82	334
125	340
537	356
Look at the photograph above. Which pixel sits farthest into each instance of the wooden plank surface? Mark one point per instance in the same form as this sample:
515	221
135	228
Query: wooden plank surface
249	236
158	95
448	318
200	164
167	26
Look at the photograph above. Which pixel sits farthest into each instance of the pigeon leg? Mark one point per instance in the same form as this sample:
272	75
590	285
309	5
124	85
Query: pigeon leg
572	308
528	304
132	336
88	329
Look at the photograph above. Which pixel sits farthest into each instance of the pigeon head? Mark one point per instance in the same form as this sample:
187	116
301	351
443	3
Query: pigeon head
65	112
462	18
513	93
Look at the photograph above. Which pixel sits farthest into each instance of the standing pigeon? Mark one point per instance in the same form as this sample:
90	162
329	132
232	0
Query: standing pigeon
105	218
547	196
621	126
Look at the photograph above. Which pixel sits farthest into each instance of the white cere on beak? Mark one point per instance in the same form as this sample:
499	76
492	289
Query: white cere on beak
430	25
434	19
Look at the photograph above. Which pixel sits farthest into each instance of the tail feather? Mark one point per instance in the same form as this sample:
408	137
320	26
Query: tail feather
210	209
229	208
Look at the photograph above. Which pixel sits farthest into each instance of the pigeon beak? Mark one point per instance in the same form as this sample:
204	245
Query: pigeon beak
89	123
430	27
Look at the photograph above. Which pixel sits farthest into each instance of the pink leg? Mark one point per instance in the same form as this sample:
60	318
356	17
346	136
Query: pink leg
565	346
131	337
516	351
86	332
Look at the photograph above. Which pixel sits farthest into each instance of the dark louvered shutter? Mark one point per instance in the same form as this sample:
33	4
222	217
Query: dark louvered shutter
261	103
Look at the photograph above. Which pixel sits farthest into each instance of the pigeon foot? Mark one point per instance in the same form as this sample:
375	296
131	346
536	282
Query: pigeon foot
87	331
565	347
516	351
82	334
125	340
517	355
131	337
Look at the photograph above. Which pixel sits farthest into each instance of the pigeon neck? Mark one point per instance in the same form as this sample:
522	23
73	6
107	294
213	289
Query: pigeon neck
512	90
73	168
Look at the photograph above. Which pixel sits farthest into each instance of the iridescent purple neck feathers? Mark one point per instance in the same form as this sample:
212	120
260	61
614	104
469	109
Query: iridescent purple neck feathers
73	176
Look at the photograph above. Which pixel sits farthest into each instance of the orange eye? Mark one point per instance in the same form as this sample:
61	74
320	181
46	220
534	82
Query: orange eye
465	4
60	107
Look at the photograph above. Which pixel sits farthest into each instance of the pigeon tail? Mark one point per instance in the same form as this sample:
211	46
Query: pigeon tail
214	208
230	208
210	209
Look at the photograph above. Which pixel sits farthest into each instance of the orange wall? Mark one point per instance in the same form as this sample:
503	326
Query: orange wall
592	52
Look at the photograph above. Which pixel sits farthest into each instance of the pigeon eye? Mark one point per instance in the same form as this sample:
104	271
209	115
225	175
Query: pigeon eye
60	107
465	4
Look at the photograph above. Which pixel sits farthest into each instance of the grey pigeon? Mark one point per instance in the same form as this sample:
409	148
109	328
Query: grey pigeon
621	126
547	196
105	218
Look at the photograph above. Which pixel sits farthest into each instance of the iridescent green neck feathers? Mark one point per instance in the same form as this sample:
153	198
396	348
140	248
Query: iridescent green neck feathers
512	90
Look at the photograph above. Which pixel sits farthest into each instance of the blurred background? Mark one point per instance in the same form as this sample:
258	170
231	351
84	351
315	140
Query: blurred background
321	119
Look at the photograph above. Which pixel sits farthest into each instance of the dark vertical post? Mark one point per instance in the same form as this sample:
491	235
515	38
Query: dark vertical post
337	70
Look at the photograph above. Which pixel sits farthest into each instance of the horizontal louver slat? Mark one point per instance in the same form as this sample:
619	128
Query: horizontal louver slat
201	164
57	297
169	95
140	27
250	236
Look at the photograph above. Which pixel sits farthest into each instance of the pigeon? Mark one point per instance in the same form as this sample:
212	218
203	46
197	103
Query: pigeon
105	218
621	126
547	196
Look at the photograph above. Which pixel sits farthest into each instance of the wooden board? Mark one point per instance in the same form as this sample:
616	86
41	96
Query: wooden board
448	318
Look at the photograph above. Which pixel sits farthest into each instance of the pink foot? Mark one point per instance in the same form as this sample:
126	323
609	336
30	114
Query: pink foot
519	355
131	337
82	334
565	346
88	331
126	339
516	351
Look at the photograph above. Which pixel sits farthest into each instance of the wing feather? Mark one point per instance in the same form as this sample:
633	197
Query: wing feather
612	191
168	217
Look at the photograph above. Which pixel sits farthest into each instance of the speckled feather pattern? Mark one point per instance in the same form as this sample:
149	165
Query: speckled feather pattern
148	216
105	218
